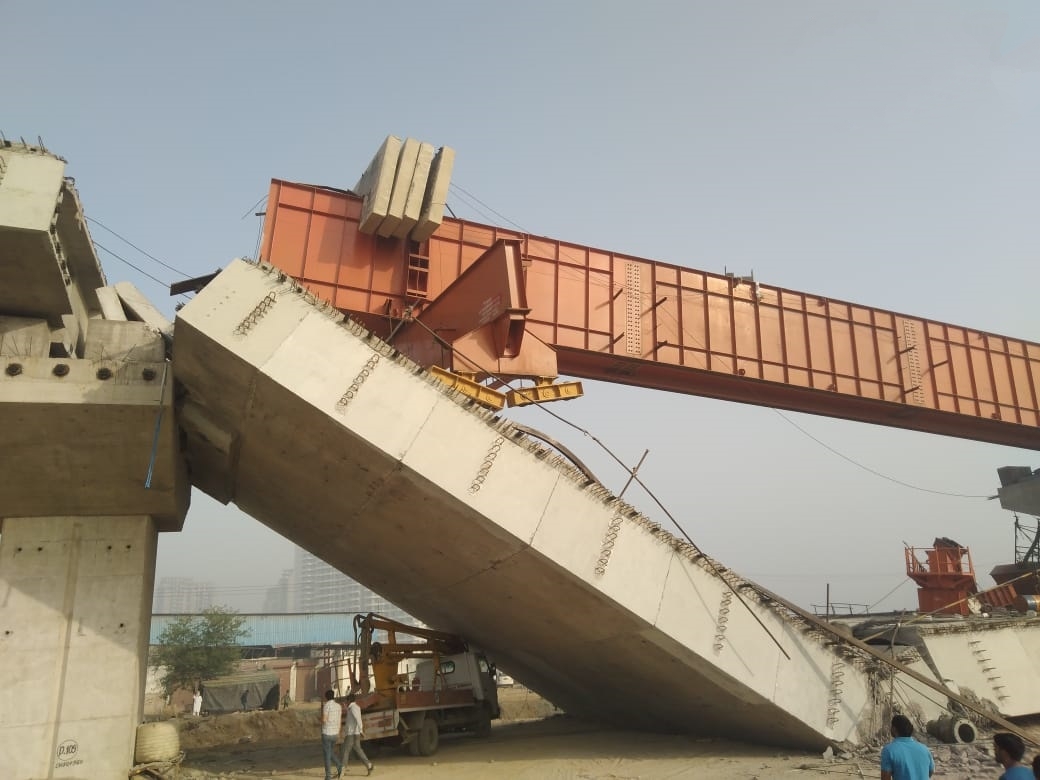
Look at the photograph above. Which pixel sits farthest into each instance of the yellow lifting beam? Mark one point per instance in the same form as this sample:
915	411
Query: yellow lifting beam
544	390
483	395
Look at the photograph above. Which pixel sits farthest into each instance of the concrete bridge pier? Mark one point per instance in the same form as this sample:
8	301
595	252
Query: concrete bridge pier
91	472
76	595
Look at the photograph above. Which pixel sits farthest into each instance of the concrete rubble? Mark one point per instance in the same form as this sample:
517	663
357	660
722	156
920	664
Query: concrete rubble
952	762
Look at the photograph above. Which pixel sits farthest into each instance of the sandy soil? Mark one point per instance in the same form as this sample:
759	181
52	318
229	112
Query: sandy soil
531	742
554	748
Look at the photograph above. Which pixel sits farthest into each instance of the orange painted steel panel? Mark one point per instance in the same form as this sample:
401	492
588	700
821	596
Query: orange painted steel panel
945	581
626	319
482	315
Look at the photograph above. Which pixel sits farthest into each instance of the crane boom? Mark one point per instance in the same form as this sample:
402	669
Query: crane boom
624	319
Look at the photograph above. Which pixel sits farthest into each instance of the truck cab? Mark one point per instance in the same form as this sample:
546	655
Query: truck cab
469	671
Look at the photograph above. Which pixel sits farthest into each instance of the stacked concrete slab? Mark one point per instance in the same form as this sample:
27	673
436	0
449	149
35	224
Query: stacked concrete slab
405	189
332	440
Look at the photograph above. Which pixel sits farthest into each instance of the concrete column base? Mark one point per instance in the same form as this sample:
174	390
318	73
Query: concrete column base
75	611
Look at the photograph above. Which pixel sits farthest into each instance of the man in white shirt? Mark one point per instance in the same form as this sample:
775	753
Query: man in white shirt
331	713
355	731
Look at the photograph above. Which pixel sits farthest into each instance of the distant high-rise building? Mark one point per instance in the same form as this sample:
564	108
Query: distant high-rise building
281	597
182	596
321	588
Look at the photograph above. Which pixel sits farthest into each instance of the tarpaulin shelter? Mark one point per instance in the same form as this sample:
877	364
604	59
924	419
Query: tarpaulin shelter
243	691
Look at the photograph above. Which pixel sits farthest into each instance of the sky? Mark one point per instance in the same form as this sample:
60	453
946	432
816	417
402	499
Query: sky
883	153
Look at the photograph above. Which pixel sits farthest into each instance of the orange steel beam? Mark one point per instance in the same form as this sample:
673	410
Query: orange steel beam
625	319
477	323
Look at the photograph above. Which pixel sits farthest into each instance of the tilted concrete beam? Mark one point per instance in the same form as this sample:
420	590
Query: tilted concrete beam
357	455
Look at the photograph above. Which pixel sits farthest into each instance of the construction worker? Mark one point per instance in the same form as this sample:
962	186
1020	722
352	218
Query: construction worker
331	713
353	733
1008	750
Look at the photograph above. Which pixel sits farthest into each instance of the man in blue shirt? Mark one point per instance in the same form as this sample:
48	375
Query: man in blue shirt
904	758
1008	749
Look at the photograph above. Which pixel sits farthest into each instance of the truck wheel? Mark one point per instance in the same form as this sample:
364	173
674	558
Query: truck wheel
429	737
483	726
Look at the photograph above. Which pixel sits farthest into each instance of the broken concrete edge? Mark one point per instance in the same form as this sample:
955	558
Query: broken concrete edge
142	309
101	339
24	337
111	306
74	235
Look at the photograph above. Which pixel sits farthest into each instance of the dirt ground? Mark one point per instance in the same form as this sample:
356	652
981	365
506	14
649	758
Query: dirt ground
532	741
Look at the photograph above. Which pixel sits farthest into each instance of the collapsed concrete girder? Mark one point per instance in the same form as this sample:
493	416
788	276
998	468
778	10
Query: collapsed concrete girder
357	455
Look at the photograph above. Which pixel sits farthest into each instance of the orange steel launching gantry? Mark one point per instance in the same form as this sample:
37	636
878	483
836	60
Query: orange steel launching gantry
486	305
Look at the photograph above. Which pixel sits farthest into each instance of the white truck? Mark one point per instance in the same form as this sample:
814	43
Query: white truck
410	692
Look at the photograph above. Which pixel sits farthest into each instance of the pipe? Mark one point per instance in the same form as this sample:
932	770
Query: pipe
952	730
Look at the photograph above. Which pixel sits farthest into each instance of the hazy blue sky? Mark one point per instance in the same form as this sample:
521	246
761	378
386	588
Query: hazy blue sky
880	152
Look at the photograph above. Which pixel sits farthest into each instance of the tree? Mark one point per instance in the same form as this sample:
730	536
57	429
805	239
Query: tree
198	647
